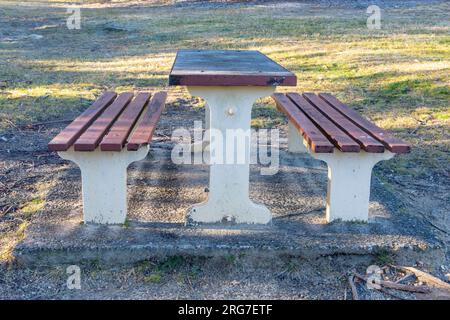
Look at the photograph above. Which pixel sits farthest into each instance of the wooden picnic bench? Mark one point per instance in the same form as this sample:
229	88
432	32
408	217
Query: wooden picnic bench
103	141
351	145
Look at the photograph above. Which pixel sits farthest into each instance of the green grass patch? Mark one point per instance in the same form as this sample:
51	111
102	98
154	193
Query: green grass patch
383	257
154	278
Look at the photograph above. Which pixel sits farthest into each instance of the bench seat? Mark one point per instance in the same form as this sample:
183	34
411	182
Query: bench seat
351	145
109	122
103	141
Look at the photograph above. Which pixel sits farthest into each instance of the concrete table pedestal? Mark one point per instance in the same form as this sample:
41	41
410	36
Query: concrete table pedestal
230	116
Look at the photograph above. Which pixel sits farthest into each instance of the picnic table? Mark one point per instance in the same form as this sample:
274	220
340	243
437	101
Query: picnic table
230	81
117	130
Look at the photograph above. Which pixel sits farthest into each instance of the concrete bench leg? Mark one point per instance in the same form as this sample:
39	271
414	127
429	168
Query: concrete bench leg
295	140
104	182
349	177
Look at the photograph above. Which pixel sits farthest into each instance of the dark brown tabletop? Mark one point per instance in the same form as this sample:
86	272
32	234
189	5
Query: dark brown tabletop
228	68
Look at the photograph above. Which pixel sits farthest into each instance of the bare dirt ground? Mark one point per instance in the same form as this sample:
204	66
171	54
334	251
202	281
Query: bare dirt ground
201	278
35	185
225	277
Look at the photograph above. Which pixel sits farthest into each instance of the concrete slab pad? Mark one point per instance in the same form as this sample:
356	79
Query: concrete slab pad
160	193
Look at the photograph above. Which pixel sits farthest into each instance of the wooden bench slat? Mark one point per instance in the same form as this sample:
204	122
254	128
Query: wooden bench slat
145	128
64	140
391	143
317	142
90	139
366	141
340	139
117	135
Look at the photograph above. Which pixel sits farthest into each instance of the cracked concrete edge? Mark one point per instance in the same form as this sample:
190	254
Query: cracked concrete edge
126	255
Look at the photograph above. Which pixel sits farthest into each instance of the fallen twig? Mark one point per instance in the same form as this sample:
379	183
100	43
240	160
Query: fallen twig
425	277
427	220
47	123
7	210
12	124
289	215
435	226
408	276
397	286
353	287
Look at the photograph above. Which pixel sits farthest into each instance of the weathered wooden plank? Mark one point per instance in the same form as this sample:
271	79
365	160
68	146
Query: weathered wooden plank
230	80
90	139
366	141
338	137
228	68
143	133
317	142
75	129
391	143
116	137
